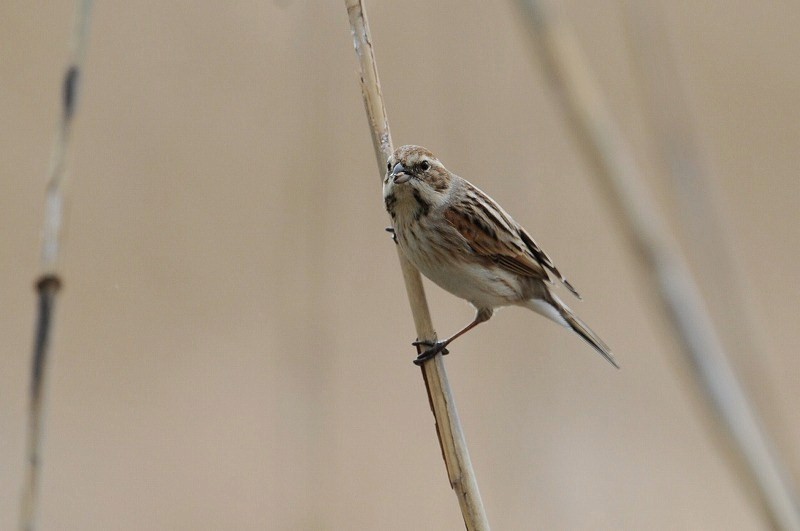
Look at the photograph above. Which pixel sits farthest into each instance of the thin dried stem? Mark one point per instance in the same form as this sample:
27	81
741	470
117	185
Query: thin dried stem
647	231
448	427
49	282
701	214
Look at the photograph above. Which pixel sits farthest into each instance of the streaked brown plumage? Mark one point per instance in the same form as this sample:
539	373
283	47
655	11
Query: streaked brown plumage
462	240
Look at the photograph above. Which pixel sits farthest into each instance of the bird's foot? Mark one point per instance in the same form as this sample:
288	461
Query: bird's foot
436	347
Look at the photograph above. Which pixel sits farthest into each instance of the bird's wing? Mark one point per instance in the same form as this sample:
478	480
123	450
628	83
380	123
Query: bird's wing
492	233
542	258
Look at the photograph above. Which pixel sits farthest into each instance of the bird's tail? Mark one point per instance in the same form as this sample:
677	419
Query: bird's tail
557	311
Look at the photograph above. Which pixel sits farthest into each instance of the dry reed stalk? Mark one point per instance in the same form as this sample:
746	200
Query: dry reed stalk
620	178
448	426
664	86
668	106
49	280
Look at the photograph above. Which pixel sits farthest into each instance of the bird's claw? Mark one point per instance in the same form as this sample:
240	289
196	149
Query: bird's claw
436	347
391	231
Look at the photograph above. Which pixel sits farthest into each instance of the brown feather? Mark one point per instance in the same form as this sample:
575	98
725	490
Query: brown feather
505	249
512	249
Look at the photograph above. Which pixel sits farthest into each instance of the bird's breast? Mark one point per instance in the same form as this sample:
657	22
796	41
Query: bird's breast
440	253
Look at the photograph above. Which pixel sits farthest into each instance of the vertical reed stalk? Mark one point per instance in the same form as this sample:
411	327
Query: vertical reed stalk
664	86
448	427
668	110
645	228
49	281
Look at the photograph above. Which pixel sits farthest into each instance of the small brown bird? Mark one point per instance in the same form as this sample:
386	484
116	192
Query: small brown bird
462	240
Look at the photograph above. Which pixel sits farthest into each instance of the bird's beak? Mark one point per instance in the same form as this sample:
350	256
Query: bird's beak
399	174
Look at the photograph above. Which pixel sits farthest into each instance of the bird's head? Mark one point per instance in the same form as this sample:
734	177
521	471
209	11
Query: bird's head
414	174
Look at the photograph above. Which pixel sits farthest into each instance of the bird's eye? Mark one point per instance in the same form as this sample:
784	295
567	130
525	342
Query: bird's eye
389	166
425	165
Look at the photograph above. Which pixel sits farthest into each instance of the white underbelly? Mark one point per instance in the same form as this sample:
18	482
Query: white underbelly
483	287
444	259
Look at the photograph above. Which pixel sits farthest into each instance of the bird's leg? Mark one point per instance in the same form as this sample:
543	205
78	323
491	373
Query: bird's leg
437	347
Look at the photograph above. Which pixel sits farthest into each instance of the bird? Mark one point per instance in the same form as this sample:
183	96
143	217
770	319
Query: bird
463	241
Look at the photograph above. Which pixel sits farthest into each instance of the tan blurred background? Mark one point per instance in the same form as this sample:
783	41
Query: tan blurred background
232	344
